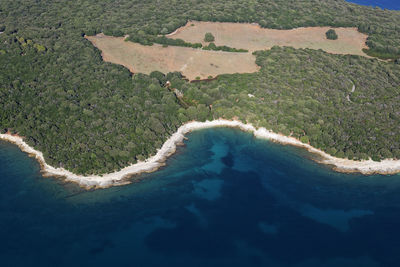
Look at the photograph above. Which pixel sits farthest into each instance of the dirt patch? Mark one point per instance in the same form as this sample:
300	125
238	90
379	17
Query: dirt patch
252	37
191	62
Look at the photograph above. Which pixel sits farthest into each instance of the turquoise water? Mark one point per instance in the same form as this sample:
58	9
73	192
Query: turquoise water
388	4
225	199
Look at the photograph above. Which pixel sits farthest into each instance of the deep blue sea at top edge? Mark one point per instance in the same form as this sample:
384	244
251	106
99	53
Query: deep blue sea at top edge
388	4
225	199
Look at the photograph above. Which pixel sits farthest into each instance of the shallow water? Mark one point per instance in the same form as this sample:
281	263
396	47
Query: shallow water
225	199
388	4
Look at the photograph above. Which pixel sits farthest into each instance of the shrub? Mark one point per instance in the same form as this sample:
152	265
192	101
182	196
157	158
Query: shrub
209	37
331	34
305	139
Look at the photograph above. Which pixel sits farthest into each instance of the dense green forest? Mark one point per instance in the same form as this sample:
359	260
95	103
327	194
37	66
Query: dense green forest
90	116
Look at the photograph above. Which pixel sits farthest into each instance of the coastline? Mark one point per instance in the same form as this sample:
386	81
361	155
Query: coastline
387	166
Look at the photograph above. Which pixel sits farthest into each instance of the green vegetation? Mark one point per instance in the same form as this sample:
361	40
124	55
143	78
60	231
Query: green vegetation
179	42
162	40
331	34
90	116
208	37
225	48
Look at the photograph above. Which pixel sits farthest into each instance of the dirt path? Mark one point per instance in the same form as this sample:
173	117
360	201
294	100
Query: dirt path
352	91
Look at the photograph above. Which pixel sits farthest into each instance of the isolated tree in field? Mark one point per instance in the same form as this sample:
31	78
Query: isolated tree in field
209	37
331	34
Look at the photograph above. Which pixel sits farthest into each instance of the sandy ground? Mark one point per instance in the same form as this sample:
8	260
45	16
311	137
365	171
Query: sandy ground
388	166
252	37
191	62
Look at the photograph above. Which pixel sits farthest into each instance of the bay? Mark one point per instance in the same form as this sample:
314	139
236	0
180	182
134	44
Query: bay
224	199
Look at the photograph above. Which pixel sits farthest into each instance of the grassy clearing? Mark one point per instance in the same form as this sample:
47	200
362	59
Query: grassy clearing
191	62
201	64
252	37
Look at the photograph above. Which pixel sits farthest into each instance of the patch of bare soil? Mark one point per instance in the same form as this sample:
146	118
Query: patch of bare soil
191	62
252	37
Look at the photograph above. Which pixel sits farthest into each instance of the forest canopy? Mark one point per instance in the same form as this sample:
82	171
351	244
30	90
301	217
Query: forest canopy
90	116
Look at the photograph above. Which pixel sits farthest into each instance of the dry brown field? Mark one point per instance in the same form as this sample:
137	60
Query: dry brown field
191	62
252	37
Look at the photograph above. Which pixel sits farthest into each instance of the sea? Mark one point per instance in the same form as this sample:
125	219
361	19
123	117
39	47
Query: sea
225	198
388	4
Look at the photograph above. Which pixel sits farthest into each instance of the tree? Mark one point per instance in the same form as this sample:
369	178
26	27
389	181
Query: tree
208	37
331	34
305	139
159	76
164	31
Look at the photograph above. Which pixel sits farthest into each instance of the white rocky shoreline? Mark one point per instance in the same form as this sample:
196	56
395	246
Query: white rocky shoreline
387	166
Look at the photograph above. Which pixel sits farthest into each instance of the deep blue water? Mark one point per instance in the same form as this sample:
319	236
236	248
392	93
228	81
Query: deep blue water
388	4
225	199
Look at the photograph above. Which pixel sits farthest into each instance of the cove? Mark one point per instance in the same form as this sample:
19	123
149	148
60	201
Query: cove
224	199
